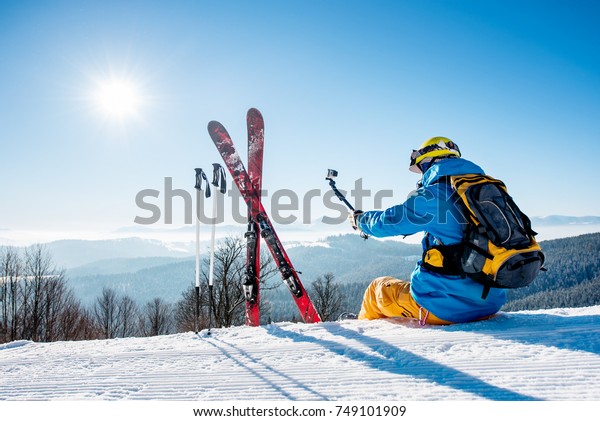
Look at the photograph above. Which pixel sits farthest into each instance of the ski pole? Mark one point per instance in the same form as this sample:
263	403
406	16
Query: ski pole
220	186
200	176
331	175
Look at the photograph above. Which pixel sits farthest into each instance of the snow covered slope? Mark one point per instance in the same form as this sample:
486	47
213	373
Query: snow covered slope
541	355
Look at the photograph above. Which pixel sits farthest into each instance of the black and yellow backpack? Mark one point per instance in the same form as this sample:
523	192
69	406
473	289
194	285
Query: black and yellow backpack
498	249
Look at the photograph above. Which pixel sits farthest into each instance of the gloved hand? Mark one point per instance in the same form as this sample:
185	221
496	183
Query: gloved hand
353	217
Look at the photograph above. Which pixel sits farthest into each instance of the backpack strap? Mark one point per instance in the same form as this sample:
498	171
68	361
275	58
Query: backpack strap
482	279
443	179
443	259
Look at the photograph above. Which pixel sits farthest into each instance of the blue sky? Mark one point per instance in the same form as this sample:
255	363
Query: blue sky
351	85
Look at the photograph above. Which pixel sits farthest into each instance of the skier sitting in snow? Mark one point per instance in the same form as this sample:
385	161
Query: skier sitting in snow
430	297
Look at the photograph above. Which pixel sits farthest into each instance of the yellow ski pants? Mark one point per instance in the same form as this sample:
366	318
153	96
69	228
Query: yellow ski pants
389	297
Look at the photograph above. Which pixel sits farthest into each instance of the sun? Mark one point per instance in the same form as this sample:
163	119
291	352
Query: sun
118	98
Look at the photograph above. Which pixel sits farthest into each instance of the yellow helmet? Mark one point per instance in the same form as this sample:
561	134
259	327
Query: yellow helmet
436	147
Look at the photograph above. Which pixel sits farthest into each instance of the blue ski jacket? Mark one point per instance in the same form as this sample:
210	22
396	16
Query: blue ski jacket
431	209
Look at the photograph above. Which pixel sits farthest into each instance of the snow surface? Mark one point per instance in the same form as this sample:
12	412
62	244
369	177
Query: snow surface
536	355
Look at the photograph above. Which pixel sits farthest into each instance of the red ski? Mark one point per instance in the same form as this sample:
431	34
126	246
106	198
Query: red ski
256	129
251	196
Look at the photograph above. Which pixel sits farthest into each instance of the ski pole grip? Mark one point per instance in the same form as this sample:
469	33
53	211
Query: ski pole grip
201	175
219	178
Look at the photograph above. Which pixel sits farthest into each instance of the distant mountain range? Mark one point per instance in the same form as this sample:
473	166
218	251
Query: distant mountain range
317	225
73	253
147	242
143	278
556	220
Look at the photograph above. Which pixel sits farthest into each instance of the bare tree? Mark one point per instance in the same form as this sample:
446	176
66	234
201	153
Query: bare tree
228	307
229	273
156	318
117	317
75	322
35	301
229	276
43	291
37	269
128	316
185	310
106	313
327	297
10	275
55	297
